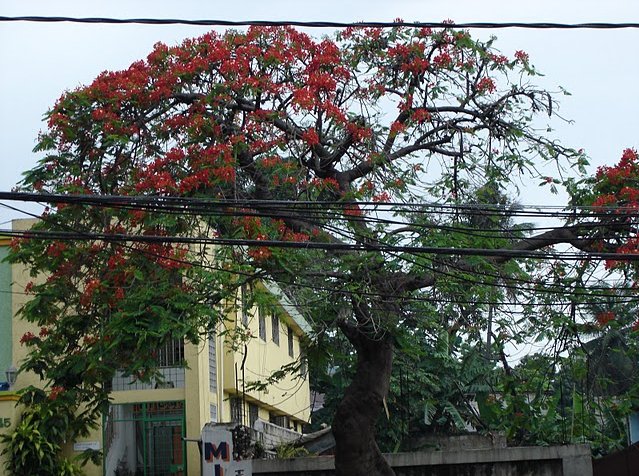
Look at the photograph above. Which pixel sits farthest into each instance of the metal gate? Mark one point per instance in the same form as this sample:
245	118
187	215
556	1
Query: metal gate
145	439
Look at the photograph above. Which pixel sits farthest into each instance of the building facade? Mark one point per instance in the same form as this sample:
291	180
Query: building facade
151	428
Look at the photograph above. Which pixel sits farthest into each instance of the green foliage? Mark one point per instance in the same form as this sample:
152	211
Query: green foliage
34	447
269	135
289	451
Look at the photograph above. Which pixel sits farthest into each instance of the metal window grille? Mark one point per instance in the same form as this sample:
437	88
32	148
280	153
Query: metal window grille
262	323
237	410
171	354
291	352
279	420
275	325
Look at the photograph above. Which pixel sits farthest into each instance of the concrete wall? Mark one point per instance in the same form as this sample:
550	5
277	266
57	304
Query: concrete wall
574	460
272	435
9	416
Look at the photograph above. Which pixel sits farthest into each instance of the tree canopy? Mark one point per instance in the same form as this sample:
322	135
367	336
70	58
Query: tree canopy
371	174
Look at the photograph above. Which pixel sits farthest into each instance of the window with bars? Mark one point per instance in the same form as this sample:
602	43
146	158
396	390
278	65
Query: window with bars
262	323
254	413
275	327
237	410
303	365
279	420
291	351
171	354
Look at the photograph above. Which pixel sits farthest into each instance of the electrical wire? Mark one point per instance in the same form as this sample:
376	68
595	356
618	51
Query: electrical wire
324	24
183	203
310	245
83	235
431	269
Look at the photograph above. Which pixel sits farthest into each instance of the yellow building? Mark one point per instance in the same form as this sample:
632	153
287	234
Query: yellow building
149	425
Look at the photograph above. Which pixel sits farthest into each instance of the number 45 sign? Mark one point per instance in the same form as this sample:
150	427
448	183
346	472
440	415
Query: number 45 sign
217	454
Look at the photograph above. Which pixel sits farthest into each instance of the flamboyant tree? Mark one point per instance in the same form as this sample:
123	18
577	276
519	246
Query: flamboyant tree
342	168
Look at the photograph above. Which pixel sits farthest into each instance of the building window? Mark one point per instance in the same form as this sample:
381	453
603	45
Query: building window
279	420
303	365
237	410
291	352
275	325
254	413
262	323
244	298
171	354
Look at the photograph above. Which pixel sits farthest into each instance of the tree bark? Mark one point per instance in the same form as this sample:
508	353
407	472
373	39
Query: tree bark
356	452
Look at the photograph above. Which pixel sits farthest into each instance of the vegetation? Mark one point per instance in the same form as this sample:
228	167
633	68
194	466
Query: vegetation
369	174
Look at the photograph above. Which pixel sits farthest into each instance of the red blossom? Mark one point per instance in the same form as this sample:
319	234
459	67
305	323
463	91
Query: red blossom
358	133
271	161
89	289
353	210
382	197
55	392
604	318
443	60
27	338
397	127
260	253
499	59
521	56
15	243
486	85
421	115
310	137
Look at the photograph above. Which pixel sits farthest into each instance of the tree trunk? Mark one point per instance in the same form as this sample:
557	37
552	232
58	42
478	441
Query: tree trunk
356	451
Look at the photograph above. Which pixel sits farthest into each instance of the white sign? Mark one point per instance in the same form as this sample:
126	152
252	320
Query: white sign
86	445
217	454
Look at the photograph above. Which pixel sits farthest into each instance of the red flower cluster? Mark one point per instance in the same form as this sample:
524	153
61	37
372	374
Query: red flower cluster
27	338
55	392
56	249
604	318
486	85
521	56
89	289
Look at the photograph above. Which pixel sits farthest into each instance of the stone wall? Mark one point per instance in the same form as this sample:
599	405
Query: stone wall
573	460
271	435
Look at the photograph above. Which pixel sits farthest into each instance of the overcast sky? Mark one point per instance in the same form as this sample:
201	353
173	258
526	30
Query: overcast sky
600	68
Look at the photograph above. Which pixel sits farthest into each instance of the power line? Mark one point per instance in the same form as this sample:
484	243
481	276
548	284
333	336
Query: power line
324	24
181	203
509	285
87	236
311	245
